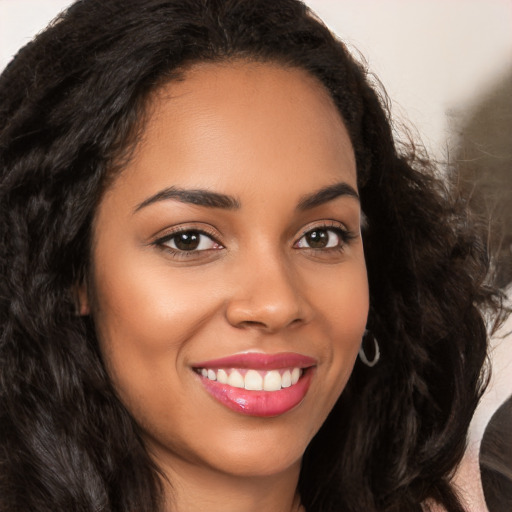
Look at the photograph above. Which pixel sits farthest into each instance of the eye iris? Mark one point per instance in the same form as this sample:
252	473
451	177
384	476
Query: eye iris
187	241
317	239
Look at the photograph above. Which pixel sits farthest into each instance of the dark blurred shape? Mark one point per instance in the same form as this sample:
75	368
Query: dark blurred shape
496	460
484	162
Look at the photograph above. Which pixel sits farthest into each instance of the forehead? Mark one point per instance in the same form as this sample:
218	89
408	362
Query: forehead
221	122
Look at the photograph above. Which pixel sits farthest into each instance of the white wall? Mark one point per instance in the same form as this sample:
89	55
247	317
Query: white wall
435	57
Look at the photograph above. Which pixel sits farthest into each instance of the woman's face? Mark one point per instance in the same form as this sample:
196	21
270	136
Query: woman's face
227	255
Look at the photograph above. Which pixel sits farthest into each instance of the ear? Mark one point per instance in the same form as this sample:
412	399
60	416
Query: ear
83	307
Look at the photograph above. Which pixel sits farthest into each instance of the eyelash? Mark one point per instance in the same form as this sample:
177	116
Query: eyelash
177	253
344	235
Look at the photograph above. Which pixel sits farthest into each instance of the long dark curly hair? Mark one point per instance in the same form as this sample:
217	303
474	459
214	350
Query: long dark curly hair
72	104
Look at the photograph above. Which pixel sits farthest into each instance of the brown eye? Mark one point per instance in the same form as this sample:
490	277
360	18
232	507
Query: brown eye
190	241
322	238
317	239
187	241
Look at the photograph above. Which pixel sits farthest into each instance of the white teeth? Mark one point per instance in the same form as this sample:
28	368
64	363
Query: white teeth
222	376
287	379
236	380
272	381
254	380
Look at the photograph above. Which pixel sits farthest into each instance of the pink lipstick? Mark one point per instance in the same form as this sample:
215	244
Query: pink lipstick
258	384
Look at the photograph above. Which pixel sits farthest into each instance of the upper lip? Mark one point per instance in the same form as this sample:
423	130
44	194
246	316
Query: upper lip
259	361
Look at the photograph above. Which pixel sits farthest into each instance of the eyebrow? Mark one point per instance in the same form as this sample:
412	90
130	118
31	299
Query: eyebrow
198	197
208	199
327	194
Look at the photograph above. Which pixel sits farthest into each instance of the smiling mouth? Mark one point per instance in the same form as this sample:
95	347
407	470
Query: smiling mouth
258	384
253	380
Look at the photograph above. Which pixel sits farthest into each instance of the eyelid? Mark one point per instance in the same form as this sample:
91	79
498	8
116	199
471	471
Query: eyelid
160	239
345	234
326	224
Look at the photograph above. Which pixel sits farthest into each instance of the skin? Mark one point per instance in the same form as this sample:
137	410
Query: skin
267	136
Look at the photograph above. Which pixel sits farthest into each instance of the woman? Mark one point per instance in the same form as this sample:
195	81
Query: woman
186	188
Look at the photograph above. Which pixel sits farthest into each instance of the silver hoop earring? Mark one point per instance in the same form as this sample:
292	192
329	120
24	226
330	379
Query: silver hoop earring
362	354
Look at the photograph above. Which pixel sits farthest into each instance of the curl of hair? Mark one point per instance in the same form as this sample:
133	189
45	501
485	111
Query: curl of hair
71	106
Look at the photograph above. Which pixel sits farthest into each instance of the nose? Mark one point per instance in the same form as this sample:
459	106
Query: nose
268	296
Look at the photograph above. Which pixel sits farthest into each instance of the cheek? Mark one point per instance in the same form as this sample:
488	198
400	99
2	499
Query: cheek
145	317
343	305
145	322
150	304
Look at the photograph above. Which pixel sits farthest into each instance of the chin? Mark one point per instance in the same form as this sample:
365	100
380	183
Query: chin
258	464
266	450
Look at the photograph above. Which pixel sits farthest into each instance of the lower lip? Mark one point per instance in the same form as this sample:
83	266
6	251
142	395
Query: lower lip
259	403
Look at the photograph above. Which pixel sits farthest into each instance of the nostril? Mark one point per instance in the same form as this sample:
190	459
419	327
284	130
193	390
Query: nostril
253	323
266	326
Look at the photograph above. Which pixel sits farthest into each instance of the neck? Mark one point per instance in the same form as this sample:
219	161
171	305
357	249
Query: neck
196	489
